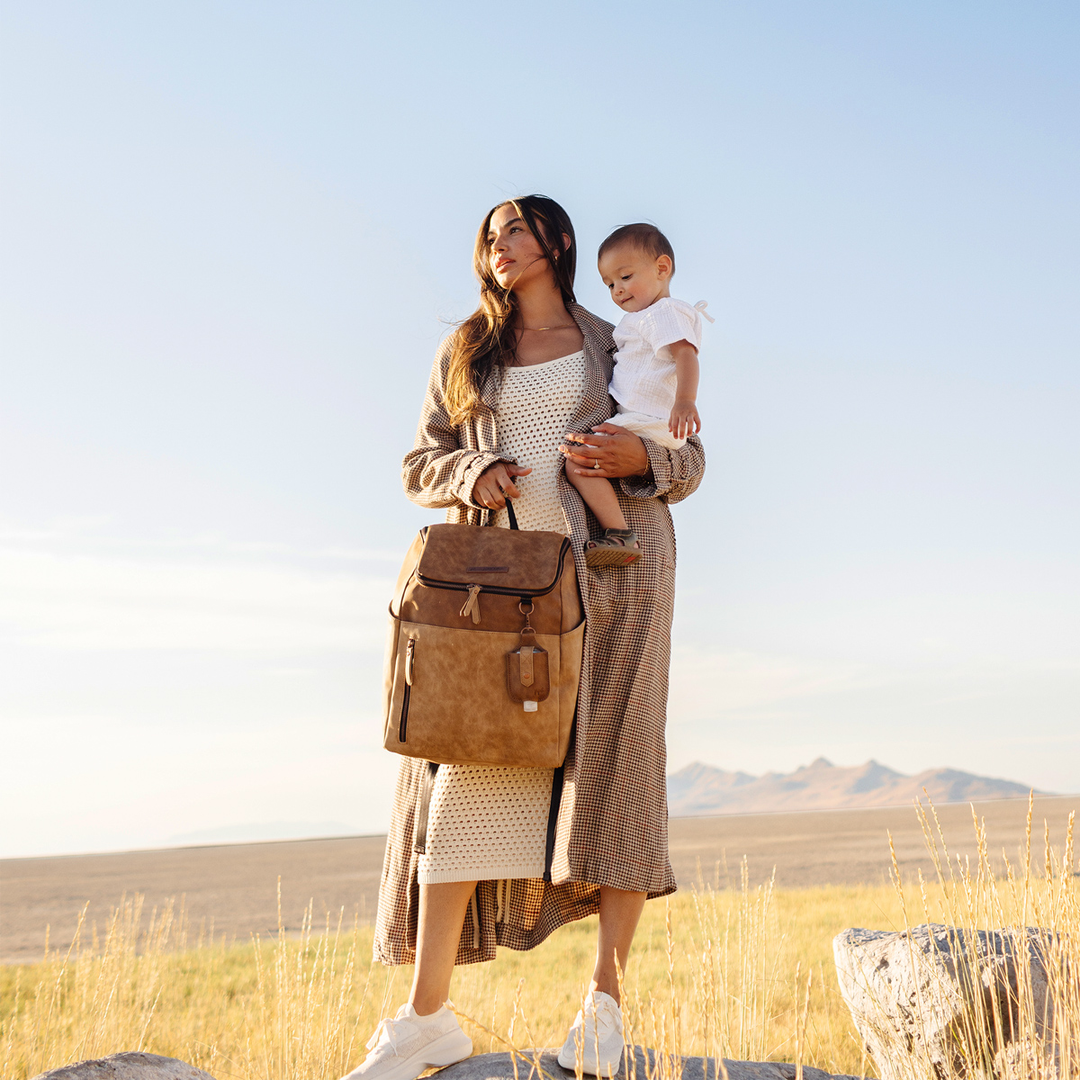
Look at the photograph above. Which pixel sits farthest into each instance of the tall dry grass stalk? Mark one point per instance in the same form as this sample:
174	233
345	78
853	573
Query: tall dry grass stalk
304	1021
97	991
715	983
712	974
276	1010
1024	1023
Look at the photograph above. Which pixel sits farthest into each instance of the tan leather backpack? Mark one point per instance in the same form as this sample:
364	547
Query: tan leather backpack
483	660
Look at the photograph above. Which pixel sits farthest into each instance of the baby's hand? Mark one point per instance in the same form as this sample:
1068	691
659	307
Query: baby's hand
684	419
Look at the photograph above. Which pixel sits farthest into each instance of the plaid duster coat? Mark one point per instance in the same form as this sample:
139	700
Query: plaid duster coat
612	820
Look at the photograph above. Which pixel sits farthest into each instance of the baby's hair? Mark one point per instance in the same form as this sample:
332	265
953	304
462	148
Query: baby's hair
643	236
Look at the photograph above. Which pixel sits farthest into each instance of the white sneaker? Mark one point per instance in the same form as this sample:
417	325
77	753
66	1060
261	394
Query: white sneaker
402	1048
596	1039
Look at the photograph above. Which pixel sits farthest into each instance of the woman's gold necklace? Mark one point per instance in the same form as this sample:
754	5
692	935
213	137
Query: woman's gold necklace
537	329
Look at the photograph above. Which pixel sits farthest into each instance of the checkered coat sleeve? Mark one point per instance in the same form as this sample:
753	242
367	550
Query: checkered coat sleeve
612	824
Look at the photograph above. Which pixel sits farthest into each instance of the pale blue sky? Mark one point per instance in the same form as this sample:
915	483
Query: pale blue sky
233	234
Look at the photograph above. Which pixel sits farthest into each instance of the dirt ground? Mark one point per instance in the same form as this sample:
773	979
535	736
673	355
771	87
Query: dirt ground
233	888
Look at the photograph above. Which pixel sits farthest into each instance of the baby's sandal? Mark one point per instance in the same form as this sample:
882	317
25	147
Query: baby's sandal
617	547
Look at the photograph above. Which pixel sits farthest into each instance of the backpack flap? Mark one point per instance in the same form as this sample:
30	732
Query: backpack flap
507	561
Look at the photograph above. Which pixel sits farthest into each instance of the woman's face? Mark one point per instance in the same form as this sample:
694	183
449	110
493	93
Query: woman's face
515	255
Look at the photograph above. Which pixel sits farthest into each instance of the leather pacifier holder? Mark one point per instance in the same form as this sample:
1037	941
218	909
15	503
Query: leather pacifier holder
527	679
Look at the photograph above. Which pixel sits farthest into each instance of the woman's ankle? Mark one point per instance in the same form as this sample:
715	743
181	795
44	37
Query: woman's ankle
424	1007
607	986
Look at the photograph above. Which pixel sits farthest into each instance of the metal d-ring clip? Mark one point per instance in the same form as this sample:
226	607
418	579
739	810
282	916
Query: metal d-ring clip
525	649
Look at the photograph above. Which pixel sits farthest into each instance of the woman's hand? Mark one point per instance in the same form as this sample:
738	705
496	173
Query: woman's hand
496	483
610	452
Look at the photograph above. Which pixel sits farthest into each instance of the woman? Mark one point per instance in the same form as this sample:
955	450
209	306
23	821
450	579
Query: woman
527	367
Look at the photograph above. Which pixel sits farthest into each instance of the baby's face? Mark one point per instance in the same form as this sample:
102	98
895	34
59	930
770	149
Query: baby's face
634	277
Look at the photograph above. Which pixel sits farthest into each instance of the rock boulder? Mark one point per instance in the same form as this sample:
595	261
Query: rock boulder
135	1066
940	1001
501	1067
131	1065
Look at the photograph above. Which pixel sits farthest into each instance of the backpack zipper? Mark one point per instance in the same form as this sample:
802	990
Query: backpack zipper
410	652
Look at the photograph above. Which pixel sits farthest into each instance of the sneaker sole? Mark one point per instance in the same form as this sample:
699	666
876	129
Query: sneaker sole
590	1068
451	1048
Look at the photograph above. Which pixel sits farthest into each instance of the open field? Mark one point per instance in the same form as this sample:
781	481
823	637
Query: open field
735	967
233	887
236	1011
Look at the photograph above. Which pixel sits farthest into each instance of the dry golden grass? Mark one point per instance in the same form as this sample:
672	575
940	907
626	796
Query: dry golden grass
738	972
711	971
1027	1032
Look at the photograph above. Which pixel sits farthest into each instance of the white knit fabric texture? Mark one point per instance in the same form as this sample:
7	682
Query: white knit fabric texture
488	821
644	383
535	405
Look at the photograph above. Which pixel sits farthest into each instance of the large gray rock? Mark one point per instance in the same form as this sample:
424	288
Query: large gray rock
501	1067
934	1000
131	1065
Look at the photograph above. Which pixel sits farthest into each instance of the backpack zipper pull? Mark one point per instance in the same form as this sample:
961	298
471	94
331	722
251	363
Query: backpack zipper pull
472	605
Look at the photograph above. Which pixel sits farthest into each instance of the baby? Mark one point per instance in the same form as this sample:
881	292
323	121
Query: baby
656	371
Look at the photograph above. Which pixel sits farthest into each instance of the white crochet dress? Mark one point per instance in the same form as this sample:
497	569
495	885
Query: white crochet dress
487	821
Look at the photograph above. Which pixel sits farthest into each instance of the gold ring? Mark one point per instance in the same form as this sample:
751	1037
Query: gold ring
596	463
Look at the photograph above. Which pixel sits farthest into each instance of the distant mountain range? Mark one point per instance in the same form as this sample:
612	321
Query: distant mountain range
704	789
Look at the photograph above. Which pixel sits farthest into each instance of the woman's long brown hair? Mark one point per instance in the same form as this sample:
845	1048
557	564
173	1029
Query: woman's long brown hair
486	340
